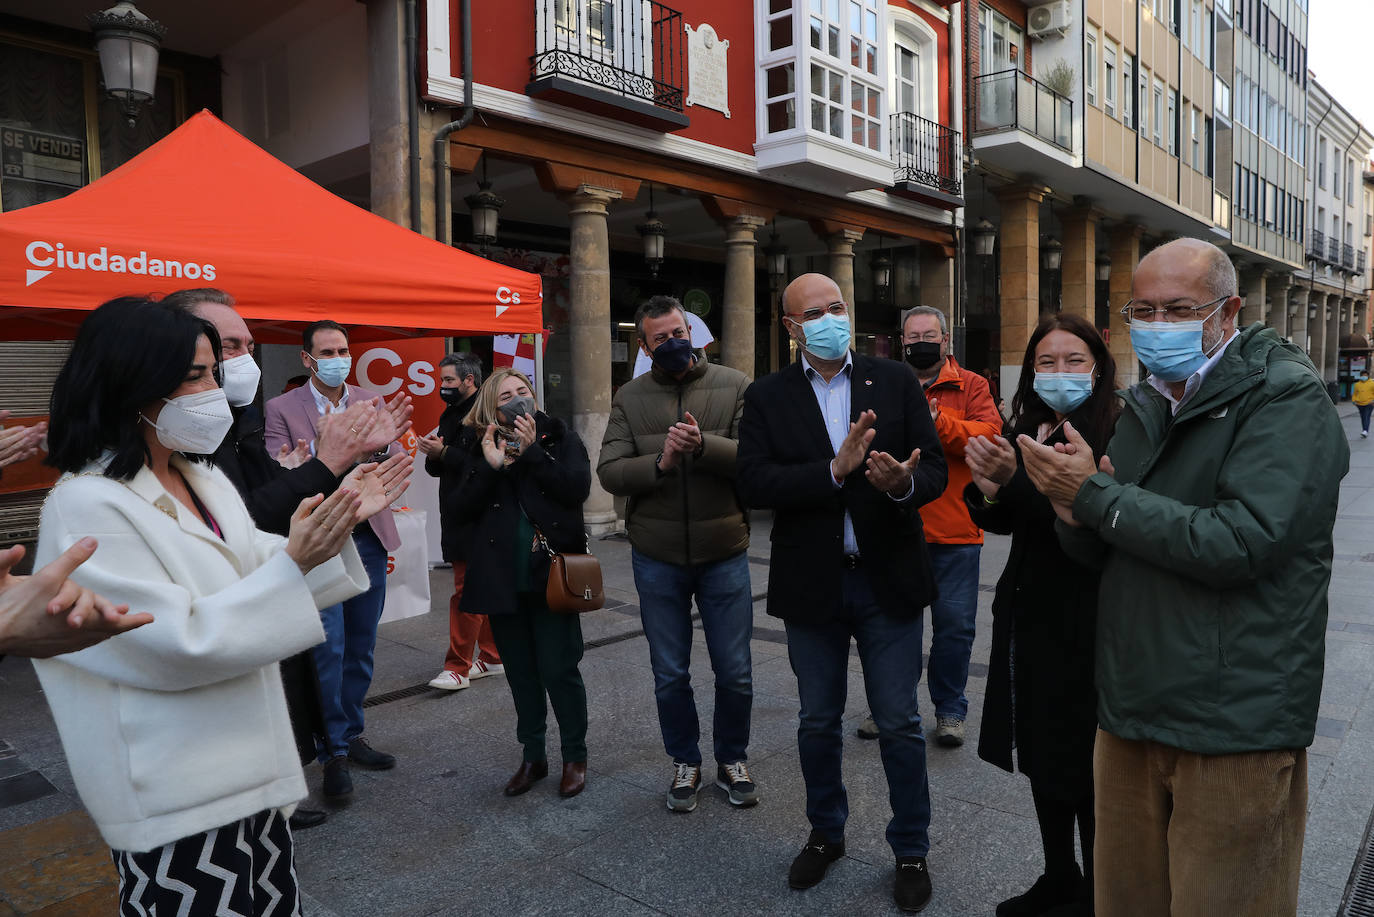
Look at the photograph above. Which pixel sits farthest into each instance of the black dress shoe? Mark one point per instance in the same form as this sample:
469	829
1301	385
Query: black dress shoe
911	889
364	755
815	858
524	778
304	818
338	782
574	779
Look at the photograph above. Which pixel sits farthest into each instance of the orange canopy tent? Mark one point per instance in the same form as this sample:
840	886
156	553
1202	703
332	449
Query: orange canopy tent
204	207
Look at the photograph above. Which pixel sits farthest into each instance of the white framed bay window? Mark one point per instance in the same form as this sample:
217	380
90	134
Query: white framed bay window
823	80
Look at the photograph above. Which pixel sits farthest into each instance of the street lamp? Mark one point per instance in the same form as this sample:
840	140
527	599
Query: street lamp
1051	254
652	231
984	236
881	265
1104	267
128	44
775	257
485	207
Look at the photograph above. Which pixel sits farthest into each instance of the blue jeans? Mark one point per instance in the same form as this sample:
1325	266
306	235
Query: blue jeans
727	617
344	659
951	626
1365	410
890	650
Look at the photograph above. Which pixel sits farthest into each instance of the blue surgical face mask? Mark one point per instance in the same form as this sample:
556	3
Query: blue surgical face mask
1171	350
332	371
1063	391
827	337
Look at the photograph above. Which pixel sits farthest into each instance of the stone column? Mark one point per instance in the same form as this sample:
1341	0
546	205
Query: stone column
1125	255
1279	285
1316	330
388	136
1019	238
1331	350
1080	263
1256	291
937	281
737	335
840	247
587	194
590	332
1297	318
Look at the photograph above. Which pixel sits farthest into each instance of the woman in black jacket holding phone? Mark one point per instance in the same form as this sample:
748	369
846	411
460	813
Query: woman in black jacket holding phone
526	475
1040	697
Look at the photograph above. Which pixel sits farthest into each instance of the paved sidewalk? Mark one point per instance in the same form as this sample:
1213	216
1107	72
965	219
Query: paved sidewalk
435	836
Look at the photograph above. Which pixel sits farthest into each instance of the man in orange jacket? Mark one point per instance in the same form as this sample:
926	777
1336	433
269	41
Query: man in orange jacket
962	407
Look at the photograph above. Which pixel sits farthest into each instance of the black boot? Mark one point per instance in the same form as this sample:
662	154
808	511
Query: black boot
1047	892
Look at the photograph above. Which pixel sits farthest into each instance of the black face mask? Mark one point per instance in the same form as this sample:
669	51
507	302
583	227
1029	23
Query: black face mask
923	354
451	395
673	356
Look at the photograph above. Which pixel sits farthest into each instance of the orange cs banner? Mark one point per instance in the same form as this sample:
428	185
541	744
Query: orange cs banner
409	365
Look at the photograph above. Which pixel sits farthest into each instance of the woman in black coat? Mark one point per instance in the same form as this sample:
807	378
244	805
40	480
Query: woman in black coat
524	475
1040	696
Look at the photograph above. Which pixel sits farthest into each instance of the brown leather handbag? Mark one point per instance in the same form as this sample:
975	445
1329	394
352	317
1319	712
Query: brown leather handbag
574	581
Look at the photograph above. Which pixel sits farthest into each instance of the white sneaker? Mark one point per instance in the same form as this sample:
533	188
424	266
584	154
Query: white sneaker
449	681
482	669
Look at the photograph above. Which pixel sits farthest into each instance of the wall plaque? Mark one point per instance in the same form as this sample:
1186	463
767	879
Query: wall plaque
706	76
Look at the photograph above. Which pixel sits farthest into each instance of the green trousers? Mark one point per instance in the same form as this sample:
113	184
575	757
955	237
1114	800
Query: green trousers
541	650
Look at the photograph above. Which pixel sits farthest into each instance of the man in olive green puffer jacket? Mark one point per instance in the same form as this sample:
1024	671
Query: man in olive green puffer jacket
670	449
1211	519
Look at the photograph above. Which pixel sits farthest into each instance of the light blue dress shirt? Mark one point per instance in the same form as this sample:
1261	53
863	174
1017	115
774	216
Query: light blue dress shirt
833	399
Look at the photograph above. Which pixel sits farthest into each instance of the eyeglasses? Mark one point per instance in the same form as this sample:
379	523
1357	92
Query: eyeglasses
1178	312
810	315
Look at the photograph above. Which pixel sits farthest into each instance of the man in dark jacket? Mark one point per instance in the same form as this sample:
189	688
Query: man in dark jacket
272	492
842	447
460	376
670	448
1211	519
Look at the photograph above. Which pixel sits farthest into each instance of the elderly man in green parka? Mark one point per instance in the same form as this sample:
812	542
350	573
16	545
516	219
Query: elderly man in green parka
1210	517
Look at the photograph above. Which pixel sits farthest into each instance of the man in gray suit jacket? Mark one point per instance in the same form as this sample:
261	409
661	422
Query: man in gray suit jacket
344	659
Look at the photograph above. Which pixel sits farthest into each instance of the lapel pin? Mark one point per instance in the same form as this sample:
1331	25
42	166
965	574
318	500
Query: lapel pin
868	382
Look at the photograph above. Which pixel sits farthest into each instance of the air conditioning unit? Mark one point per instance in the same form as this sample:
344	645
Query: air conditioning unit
1050	19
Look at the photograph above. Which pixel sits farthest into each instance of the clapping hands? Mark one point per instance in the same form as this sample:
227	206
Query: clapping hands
19	443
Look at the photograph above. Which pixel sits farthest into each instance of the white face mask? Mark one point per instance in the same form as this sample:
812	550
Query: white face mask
194	423
241	377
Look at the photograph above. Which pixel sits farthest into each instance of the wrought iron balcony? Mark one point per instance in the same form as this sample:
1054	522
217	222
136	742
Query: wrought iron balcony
611	54
1333	250
926	154
1012	100
1348	257
1316	244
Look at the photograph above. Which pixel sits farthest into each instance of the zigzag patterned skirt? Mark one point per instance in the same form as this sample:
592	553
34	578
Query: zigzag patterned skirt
244	868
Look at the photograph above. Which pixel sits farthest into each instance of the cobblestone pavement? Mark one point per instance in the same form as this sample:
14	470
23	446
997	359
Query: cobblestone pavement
436	836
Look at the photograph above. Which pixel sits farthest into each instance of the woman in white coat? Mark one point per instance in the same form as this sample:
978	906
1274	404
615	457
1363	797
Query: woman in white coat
177	733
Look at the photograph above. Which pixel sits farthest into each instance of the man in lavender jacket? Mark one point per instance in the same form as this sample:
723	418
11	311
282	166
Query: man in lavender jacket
344	659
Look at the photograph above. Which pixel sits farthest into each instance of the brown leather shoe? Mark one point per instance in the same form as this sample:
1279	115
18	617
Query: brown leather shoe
574	779
524	778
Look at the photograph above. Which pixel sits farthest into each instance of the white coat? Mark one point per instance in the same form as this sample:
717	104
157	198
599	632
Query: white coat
181	726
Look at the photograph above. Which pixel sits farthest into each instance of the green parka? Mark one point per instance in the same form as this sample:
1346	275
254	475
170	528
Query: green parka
690	515
1214	540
